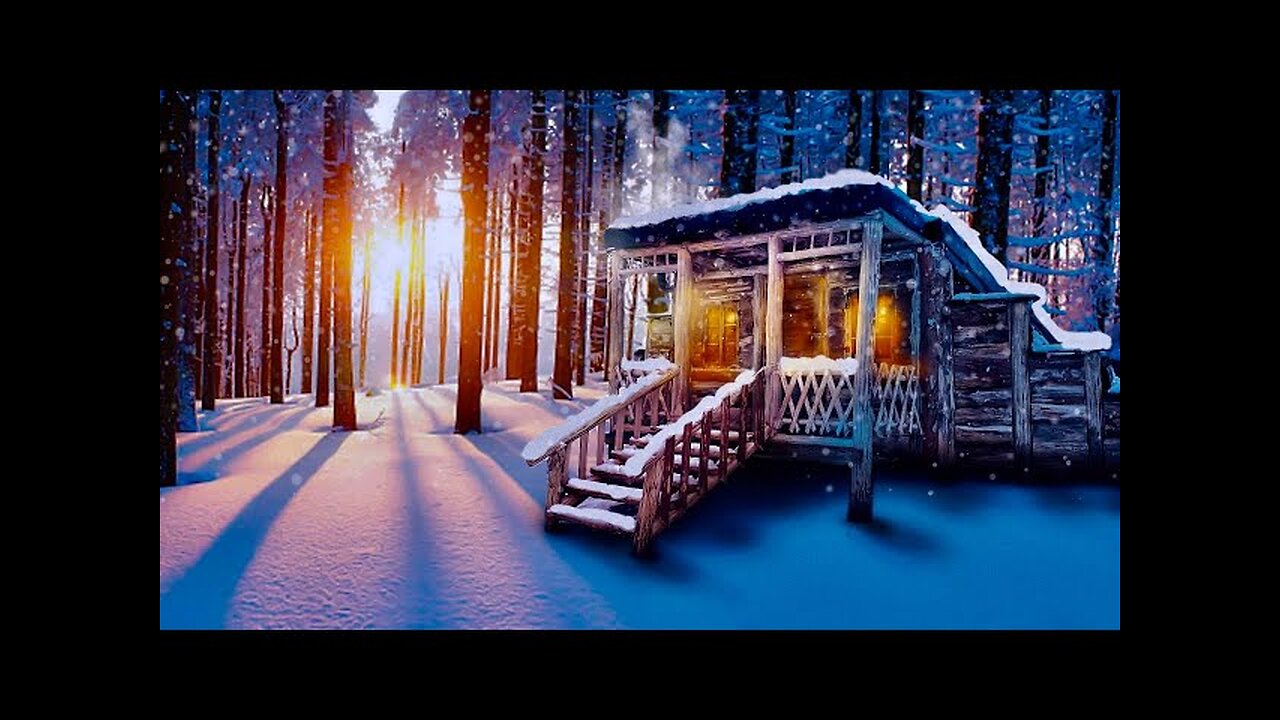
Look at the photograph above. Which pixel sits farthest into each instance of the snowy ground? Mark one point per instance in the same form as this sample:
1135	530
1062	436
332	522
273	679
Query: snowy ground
283	524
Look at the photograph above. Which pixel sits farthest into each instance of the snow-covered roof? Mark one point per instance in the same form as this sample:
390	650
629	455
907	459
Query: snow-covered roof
838	196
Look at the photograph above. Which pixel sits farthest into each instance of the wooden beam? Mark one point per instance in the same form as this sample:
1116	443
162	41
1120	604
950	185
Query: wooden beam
773	329
752	271
616	301
861	486
758	294
683	322
1019	346
828	251
649	270
742	241
892	225
1093	409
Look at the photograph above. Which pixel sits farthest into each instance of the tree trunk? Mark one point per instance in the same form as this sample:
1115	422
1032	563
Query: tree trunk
328	238
531	273
495	278
309	302
288	366
420	326
475	167
209	278
874	164
853	140
995	156
364	309
515	286
915	153
242	251
264	350
587	175
175	231
738	167
567	304
227	326
196	286
444	327
395	302
338	207
1104	250
787	141
410	303
282	235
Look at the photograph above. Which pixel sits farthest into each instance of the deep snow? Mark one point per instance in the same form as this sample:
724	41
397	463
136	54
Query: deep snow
404	525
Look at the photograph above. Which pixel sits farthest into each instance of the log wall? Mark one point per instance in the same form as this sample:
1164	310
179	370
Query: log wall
983	383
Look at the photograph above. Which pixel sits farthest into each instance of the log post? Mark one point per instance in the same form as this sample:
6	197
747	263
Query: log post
935	356
861	487
684	322
1019	346
615	301
821	304
1093	409
759	291
773	328
556	479
647	513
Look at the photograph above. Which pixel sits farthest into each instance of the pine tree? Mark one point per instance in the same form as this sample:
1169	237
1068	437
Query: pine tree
915	136
1103	251
853	136
277	263
587	175
364	307
995	159
395	302
515	288
242	251
264	350
787	141
309	302
738	169
475	165
567	304
175	231
660	169
209	278
874	164
328	238
531	272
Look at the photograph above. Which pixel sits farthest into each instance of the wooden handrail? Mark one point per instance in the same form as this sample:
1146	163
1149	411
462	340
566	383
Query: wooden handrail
606	411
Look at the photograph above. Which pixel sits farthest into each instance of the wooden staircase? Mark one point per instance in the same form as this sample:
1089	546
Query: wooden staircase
633	464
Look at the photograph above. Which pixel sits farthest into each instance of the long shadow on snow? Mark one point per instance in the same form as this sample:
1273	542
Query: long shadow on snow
420	559
254	436
611	549
201	597
223	426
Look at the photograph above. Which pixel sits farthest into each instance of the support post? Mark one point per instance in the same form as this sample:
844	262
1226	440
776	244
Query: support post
861	486
935	356
616	337
1019	346
773	329
684	322
759	290
1093	408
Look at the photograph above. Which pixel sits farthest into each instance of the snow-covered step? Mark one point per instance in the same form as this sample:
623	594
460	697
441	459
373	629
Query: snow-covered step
623	453
695	463
594	517
733	435
615	474
639	441
713	450
618	493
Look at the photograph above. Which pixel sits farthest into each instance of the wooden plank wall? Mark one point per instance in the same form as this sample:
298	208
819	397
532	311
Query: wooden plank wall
983	383
1058	412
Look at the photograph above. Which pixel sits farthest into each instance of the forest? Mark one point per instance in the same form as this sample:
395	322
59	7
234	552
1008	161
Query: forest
337	243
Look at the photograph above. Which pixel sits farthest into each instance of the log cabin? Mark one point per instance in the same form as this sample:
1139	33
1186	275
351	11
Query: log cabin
832	320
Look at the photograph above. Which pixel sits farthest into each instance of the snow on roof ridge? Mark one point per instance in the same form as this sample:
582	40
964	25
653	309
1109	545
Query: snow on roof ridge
1070	339
840	178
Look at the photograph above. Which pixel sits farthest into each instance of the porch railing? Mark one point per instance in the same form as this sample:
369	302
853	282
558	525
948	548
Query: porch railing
817	399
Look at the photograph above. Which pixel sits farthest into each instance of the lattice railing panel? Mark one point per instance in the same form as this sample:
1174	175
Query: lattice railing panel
897	400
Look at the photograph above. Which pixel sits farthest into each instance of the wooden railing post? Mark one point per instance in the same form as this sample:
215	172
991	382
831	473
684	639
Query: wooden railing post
683	322
617	333
773	329
556	479
648	511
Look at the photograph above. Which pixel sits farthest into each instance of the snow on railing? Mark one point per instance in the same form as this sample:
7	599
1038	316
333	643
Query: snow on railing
636	464
571	427
820	363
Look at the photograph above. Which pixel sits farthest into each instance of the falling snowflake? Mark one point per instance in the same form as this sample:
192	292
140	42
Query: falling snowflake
992	476
826	451
930	493
830	488
296	479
